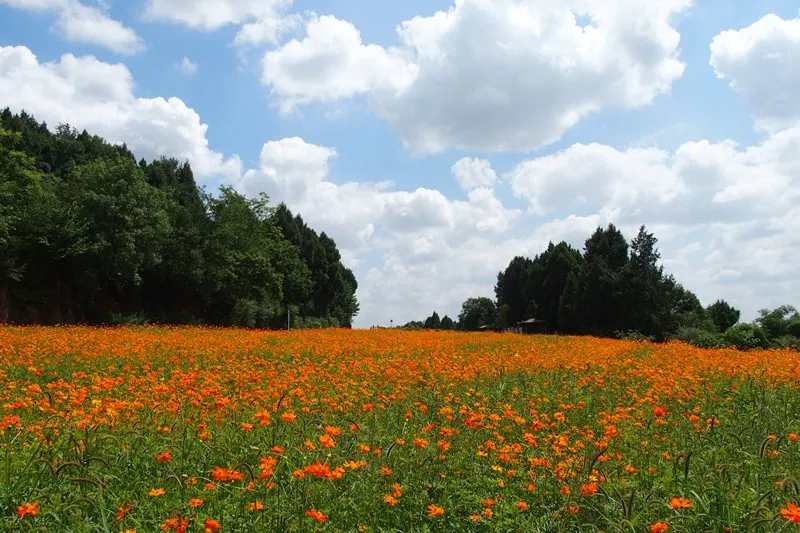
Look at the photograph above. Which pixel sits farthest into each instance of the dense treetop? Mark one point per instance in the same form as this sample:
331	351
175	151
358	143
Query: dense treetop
615	289
90	235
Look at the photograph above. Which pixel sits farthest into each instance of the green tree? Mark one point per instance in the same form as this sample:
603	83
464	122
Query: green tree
777	323
513	289
447	323
19	189
723	315
477	312
433	321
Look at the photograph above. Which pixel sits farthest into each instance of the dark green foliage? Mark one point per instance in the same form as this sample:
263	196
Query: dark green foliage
89	235
776	323
433	322
513	289
722	315
477	312
448	323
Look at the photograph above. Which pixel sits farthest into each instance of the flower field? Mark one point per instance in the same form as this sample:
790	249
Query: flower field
199	429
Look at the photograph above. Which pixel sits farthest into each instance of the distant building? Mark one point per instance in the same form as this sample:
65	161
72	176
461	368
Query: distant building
532	325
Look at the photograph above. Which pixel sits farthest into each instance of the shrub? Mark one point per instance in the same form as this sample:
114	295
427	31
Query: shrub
745	337
707	340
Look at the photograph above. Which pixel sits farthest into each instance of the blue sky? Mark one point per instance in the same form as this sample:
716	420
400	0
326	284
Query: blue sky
556	130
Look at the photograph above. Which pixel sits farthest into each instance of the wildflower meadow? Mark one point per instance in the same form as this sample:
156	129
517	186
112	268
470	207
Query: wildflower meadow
148	429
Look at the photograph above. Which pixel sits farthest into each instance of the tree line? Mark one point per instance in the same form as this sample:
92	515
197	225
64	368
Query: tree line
90	235
615	289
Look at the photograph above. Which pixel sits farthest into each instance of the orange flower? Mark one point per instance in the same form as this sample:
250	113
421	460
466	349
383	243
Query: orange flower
28	509
488	502
794	437
164	457
122	511
589	489
288	417
791	513
658	527
390	500
522	506
211	525
255	506
246	426
157	492
435	510
316	515
386	470
680	503
326	441
659	411
195	502
277	450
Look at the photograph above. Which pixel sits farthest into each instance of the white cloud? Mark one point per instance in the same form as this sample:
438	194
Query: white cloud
523	71
267	30
762	62
331	63
187	66
471	173
87	93
212	14
364	217
86	24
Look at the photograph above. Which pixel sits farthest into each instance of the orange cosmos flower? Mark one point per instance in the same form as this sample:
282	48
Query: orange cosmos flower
435	510
390	500
156	492
211	525
680	503
164	457
255	506
589	489
326	441
791	513
28	509
195	502
316	515
522	506
122	511
658	527
288	417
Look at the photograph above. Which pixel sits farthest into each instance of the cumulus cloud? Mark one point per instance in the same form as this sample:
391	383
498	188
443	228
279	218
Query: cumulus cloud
187	66
471	173
331	63
489	75
87	93
260	21
212	14
762	62
80	23
297	172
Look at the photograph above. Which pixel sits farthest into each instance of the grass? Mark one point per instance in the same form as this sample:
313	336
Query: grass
198	429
